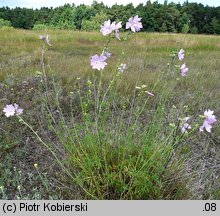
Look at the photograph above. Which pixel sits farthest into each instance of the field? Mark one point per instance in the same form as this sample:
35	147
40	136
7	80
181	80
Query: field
86	134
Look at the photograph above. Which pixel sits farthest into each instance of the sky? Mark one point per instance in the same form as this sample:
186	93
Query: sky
55	3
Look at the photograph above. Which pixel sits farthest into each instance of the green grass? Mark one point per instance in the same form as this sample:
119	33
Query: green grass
95	136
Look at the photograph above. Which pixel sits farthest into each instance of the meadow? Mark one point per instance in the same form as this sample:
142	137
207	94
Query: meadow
86	134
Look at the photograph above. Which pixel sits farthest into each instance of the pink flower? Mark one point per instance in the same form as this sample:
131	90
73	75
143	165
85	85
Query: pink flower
134	23
184	125
106	53
47	40
116	28
209	120
98	62
183	69
11	110
17	110
150	93
107	28
181	55
117	34
41	37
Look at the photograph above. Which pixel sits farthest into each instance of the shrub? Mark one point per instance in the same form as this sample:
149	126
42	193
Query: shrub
194	30
185	28
5	23
39	26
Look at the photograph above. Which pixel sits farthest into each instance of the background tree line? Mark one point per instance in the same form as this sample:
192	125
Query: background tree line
167	17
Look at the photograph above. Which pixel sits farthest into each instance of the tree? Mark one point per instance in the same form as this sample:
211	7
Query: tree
215	25
95	22
82	12
167	17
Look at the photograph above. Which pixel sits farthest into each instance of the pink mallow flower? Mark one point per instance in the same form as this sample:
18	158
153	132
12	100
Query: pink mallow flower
181	55
116	28
47	40
184	125
41	37
134	23
183	69
98	62
106	53
150	93
209	120
11	110
107	28
117	34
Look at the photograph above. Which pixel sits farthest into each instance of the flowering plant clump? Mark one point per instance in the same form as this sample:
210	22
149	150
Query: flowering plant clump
123	125
11	110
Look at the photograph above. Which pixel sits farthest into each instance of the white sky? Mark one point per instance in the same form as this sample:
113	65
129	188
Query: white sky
55	3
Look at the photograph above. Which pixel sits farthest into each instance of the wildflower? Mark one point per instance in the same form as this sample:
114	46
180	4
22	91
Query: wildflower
184	125
47	40
117	34
209	120
36	165
122	67
11	110
107	28
183	69
106	53
17	110
98	62
134	23
116	28
181	55
150	93
41	37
